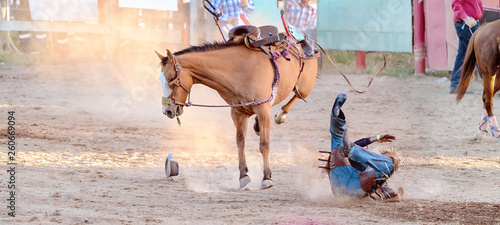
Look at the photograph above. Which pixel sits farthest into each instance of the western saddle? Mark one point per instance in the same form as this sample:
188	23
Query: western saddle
266	38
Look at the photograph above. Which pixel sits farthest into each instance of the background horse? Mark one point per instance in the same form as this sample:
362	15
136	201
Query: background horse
484	48
239	75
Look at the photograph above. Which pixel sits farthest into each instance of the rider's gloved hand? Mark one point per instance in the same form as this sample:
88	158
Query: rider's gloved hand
385	138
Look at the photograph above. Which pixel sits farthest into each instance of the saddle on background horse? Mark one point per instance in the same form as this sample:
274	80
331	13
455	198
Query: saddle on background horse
267	36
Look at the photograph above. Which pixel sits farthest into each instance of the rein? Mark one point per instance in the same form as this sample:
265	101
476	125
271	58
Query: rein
345	77
216	16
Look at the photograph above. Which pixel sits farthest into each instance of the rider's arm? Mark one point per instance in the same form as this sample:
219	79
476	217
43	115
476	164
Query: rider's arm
363	142
379	138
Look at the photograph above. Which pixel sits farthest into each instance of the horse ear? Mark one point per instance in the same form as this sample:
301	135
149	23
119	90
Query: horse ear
159	55
170	55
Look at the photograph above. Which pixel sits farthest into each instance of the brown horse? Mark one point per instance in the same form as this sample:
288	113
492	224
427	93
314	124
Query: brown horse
240	75
484	48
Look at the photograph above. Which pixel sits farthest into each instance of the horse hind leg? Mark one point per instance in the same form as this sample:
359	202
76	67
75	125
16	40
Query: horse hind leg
256	127
484	125
488	93
495	131
280	117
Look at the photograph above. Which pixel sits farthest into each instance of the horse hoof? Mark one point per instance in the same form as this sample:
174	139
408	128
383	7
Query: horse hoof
266	184
279	118
244	181
480	135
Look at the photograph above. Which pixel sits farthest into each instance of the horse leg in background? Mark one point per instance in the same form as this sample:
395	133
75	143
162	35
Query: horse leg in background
280	117
256	127
263	113
488	94
241	122
483	126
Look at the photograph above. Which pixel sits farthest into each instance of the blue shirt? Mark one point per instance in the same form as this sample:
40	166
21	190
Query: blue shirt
232	8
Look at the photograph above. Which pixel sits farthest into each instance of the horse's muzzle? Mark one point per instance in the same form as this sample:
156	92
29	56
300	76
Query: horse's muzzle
172	110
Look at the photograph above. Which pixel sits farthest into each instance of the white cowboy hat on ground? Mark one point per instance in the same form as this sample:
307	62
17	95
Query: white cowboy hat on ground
171	167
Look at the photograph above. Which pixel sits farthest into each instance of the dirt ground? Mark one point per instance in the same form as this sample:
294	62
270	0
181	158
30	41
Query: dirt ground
92	143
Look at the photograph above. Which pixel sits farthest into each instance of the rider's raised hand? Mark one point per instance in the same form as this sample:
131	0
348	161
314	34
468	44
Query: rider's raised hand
385	138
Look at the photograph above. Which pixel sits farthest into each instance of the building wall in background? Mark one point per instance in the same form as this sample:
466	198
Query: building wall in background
376	25
266	13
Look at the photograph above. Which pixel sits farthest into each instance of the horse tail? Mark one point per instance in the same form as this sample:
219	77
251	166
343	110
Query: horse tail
467	69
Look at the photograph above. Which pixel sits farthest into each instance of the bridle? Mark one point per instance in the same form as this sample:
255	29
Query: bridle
169	101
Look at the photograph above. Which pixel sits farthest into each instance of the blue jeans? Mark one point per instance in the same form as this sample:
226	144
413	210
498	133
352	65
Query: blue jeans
464	34
337	128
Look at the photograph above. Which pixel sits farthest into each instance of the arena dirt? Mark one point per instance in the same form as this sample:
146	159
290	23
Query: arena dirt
92	143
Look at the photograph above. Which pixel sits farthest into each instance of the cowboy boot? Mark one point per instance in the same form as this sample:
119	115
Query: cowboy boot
339	101
337	121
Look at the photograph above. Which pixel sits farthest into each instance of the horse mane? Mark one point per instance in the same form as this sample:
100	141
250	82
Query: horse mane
209	47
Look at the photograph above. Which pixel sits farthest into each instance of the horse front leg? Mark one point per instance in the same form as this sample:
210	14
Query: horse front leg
241	122
280	117
265	125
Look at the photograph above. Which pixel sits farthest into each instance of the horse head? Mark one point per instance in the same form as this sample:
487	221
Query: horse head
174	98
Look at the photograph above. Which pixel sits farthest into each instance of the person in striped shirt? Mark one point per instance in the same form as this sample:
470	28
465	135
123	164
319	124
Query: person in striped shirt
301	15
233	12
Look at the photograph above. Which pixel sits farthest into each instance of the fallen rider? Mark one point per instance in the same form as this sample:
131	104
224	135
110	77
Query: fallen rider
354	170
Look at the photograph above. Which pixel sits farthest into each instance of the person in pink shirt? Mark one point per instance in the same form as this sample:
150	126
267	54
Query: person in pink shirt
466	15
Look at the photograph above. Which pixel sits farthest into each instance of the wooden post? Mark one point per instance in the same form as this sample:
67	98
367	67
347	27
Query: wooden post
111	39
193	22
419	35
4	38
360	60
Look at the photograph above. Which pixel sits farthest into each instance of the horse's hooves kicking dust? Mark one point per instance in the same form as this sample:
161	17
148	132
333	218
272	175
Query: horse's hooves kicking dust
480	135
266	184
244	181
